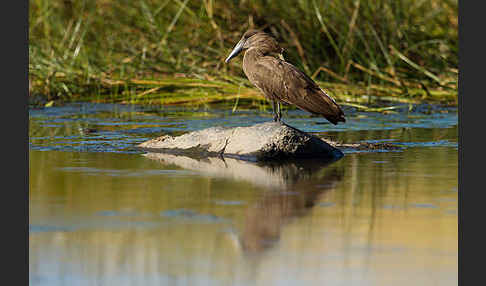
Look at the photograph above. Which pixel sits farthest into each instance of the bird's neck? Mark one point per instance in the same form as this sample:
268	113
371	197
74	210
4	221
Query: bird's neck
252	55
250	59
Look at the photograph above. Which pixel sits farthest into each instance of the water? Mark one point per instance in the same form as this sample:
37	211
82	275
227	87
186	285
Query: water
102	213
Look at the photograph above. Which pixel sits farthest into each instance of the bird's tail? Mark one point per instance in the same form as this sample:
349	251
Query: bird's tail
319	103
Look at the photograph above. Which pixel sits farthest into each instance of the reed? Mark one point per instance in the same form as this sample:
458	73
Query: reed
172	51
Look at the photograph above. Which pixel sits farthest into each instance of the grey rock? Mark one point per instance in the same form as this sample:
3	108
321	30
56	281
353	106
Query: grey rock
260	142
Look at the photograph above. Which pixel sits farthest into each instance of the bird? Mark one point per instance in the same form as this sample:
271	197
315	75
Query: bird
280	81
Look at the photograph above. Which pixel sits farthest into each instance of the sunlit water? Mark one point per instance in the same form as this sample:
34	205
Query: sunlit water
104	213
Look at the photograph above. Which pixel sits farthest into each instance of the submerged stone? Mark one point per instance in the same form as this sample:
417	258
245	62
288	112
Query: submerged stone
260	142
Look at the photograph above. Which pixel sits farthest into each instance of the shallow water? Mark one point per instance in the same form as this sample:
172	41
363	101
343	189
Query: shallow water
102	213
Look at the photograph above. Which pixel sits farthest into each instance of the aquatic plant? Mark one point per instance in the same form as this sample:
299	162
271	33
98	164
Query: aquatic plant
172	51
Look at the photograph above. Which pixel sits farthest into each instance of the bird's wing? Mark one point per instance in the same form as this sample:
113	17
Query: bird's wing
279	79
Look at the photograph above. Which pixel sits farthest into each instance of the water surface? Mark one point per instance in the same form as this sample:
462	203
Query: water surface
103	213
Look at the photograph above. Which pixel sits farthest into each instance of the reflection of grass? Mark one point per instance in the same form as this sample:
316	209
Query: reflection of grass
171	52
358	217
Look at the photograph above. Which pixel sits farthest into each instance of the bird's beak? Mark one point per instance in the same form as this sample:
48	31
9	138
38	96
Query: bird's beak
236	50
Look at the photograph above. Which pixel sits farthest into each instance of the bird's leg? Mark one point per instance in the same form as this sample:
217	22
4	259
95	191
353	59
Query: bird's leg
274	109
279	112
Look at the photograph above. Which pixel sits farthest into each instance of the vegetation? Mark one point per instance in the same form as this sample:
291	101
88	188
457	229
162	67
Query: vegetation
172	51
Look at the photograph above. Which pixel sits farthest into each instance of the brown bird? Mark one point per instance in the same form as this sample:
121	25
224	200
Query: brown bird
280	81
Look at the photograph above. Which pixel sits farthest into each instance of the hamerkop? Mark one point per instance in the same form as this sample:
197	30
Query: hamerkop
279	80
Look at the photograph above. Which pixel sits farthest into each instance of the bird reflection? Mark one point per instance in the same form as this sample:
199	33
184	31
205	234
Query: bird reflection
292	188
265	219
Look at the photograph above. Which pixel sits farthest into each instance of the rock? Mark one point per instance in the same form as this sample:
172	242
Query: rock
260	142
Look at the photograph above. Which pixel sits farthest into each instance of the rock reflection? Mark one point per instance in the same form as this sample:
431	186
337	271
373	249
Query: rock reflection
292	189
276	175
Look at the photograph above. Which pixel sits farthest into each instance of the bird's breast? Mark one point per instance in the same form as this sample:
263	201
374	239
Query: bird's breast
259	74
251	70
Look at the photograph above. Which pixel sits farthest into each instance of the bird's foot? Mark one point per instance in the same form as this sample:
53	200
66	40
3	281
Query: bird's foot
277	119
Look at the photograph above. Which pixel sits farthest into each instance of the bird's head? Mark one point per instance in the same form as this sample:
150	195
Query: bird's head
255	39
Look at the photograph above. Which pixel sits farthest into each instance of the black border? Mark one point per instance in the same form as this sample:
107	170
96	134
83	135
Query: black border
15	144
471	110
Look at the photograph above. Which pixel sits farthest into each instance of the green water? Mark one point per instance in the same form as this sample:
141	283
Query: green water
102	213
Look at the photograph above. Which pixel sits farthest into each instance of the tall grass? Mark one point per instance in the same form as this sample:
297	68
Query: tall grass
88	46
